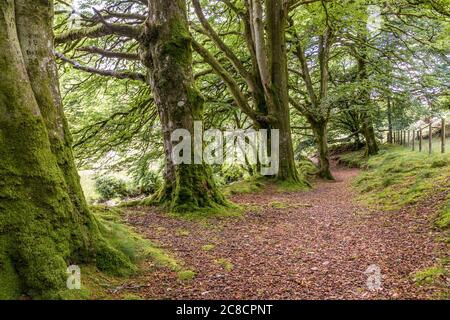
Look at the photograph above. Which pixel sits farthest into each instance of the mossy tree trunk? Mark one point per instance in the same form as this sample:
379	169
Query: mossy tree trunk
276	25
369	135
367	126
44	221
167	52
321	138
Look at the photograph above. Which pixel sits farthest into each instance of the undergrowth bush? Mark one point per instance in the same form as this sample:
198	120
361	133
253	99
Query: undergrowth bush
110	187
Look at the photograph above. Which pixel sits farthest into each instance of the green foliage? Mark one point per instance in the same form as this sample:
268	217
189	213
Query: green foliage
110	187
230	174
145	181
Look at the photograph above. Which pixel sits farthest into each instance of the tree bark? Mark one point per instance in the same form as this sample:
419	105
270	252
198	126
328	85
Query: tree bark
44	219
367	127
277	92
369	135
321	138
168	56
318	111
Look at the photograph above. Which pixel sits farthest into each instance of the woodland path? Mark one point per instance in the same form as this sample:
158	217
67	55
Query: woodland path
317	246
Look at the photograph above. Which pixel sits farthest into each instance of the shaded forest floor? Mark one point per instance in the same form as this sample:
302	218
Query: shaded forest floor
297	245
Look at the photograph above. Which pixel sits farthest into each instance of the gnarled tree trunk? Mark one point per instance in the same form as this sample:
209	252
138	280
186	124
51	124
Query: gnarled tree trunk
44	220
168	55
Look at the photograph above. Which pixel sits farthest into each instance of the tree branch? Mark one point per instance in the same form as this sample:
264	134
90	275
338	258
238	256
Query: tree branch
231	84
237	64
107	73
110	54
99	31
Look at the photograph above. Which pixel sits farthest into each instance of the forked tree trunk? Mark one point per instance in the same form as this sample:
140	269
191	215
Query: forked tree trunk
168	55
44	220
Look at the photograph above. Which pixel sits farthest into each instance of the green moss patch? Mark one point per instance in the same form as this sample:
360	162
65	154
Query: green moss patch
186	275
225	263
354	159
398	177
208	247
443	217
429	275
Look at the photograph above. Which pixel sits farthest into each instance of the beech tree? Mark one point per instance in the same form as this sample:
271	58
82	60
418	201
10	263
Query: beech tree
45	224
266	79
164	49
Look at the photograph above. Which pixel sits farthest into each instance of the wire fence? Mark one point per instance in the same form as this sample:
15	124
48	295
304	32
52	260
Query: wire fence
421	138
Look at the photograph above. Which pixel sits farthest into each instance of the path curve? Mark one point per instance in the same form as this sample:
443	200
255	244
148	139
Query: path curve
318	245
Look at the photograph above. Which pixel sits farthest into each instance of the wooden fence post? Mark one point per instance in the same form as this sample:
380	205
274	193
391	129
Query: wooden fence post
420	140
430	138
443	135
413	140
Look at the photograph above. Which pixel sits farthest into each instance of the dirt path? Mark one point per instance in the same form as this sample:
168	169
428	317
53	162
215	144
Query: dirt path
316	245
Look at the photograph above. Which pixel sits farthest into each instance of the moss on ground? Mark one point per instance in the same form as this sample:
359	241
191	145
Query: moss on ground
208	247
186	275
443	218
436	276
98	280
250	185
354	159
225	263
429	275
398	177
278	205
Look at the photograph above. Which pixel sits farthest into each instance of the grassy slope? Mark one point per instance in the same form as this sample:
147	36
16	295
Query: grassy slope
398	177
100	285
